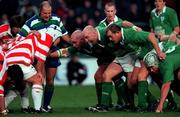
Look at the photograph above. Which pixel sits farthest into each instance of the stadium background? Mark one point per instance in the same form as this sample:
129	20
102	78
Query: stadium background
79	13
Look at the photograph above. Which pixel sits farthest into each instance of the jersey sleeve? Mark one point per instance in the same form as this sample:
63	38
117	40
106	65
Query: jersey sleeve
64	31
25	29
173	18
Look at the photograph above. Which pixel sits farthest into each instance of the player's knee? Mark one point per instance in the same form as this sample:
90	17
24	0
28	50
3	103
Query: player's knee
98	77
106	77
38	79
49	81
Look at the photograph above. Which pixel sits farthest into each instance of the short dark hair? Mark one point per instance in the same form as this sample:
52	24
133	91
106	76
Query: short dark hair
113	28
16	21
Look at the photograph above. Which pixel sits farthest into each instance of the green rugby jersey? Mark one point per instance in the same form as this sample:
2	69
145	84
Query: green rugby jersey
170	65
104	23
136	41
165	22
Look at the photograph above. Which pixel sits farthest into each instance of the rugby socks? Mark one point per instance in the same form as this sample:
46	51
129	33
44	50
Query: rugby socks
25	98
48	93
98	91
106	93
120	86
142	94
37	92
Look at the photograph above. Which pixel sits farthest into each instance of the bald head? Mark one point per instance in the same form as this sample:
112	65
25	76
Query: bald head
89	29
77	38
77	34
90	34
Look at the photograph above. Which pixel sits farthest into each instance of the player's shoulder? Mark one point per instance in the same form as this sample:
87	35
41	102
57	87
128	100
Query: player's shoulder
102	22
153	11
35	17
55	17
170	10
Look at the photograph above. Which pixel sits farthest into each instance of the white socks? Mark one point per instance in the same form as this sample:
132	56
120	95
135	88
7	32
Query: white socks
37	93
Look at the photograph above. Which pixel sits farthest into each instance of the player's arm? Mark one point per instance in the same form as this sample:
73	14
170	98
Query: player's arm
129	24
164	92
66	38
152	39
25	30
63	52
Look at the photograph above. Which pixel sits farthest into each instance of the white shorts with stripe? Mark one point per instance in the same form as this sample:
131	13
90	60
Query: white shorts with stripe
128	62
28	71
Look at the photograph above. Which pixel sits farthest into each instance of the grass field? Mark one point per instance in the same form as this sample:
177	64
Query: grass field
70	102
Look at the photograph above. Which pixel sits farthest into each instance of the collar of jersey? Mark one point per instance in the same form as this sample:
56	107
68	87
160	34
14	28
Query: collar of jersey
115	20
163	11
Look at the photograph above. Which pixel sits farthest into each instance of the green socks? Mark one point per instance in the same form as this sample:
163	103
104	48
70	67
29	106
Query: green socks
142	94
106	93
120	86
98	91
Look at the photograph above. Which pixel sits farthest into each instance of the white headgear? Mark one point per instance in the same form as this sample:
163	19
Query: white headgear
151	59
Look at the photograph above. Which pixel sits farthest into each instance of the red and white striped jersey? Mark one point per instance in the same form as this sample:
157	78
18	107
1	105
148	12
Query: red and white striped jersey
3	71
26	50
5	33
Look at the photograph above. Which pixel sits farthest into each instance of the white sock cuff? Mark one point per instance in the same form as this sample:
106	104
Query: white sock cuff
36	86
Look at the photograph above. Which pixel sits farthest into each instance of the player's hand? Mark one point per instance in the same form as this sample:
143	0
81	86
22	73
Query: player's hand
36	33
173	38
137	28
159	35
161	55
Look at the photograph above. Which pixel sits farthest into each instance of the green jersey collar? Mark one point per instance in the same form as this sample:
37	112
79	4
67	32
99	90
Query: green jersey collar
115	20
163	11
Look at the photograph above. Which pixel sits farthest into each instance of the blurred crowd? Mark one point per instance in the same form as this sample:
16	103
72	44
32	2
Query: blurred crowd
79	13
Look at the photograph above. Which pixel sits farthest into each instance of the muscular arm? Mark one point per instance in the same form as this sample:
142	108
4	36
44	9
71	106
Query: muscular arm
154	42
63	52
129	24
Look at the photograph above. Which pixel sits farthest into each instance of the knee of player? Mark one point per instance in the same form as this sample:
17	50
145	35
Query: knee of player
50	81
98	76
38	79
